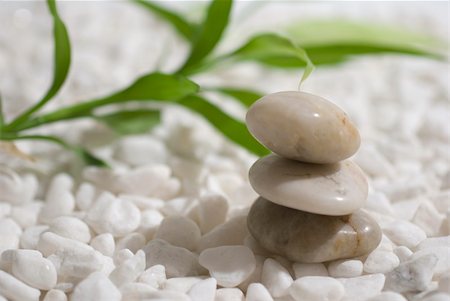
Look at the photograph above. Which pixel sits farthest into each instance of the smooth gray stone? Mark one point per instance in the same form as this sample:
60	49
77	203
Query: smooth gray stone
307	237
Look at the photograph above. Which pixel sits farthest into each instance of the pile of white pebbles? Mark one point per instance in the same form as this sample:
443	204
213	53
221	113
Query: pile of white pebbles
168	221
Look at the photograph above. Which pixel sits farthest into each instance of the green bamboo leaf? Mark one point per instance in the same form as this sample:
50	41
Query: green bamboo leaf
209	32
150	87
268	47
329	42
87	157
183	27
131	121
244	96
61	64
235	130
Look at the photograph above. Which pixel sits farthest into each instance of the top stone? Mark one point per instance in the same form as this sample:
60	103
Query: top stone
303	127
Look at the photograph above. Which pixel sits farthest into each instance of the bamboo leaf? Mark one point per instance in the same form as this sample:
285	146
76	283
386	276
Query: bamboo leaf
184	28
131	122
244	96
235	130
61	63
209	32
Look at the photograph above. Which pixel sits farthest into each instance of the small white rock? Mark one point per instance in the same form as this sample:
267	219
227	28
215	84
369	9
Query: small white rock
204	290
70	227
229	265
403	253
96	287
388	296
181	284
140	150
317	288
345	268
59	198
443	256
154	276
380	261
10	233
112	215
128	270
276	278
428	219
178	261
30	237
150	221
136	291
55	295
16	189
309	269
233	232
433	242
229	294
363	287
258	292
16	290
122	256
27	214
404	233
85	196
33	269
179	231
256	275
132	241
104	243
212	211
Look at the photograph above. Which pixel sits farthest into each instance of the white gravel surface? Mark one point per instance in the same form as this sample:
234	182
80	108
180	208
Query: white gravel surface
73	233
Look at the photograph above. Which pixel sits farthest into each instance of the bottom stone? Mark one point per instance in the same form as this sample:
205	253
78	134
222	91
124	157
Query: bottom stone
306	237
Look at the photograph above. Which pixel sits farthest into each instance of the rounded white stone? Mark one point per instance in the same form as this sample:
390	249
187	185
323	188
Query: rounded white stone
33	269
30	237
179	231
229	265
96	287
16	290
55	295
212	211
232	232
309	269
112	215
71	227
388	296
258	292
362	287
104	243
154	276
343	187
345	268
128	270
380	261
403	253
229	294
303	126
317	288
132	241
404	233
276	278
204	290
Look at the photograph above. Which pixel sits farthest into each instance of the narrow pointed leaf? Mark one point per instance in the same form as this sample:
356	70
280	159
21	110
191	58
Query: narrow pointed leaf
61	63
131	122
209	32
244	96
233	129
184	28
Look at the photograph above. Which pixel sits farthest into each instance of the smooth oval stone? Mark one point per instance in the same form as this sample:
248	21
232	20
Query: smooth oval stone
310	238
331	189
303	126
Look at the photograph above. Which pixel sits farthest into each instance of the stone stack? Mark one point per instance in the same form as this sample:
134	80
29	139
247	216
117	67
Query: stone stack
310	195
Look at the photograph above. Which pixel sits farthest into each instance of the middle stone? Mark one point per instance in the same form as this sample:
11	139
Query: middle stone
330	189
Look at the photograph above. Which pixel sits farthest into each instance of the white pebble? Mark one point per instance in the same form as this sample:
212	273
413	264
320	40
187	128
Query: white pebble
136	291
59	198
96	287
179	231
154	276
132	241
178	206
16	290
128	270
16	189
49	243
33	269
428	219
443	256
204	290
380	261
140	150
276	278
104	243
362	287
178	261
345	268
258	292
388	296
412	275
403	253
143	202
212	211
85	196
112	215
316	288
30	237
256	275
230	265
26	215
70	227
233	232
181	284
404	233
434	242
10	233
229	294
309	269
150	221
55	295
122	256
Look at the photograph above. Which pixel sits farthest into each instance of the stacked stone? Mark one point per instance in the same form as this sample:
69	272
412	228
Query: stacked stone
310	195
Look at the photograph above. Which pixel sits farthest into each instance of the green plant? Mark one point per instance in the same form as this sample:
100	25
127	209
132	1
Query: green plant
322	43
